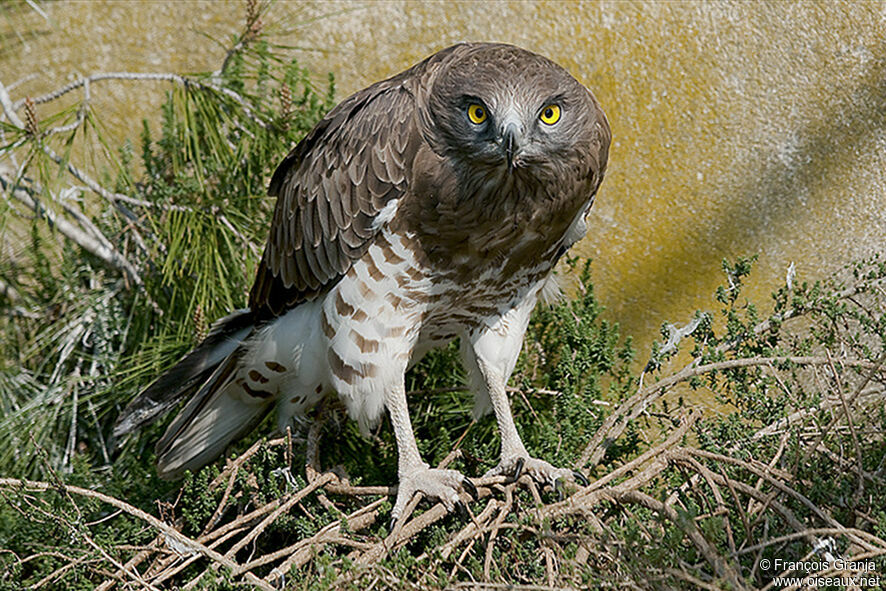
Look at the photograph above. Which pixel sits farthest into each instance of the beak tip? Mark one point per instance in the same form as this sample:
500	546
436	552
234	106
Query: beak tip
510	145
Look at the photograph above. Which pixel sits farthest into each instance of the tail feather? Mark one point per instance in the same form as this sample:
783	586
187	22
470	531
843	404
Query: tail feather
214	417
186	376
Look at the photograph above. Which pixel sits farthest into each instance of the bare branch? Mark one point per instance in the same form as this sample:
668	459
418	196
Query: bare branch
720	565
30	485
88	238
9	292
143	76
615	424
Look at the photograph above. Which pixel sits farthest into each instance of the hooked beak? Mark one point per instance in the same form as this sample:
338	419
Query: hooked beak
510	141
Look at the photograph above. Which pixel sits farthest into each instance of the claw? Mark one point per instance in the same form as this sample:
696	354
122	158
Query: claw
558	486
518	470
392	525
462	511
579	477
470	488
430	483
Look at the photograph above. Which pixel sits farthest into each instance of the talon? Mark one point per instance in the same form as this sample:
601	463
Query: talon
518	470
429	483
392	525
579	477
462	511
558	486
470	489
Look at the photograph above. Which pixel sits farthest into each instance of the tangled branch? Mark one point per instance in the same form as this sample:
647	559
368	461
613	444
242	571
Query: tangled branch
712	480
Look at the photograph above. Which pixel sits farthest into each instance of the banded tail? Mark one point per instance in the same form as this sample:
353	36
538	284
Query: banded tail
216	413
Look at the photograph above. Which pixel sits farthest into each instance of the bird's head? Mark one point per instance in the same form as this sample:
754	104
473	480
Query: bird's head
501	108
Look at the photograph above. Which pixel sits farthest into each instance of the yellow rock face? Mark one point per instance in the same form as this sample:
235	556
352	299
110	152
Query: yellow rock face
739	128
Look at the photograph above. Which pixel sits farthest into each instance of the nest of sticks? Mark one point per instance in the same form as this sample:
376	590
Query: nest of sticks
737	492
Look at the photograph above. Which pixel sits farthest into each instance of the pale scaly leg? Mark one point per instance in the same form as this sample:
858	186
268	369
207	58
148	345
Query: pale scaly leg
490	356
514	457
414	474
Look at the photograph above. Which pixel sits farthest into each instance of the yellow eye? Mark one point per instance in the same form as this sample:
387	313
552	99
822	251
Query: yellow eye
550	114
477	114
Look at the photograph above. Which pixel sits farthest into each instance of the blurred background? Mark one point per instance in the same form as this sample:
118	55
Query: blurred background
739	128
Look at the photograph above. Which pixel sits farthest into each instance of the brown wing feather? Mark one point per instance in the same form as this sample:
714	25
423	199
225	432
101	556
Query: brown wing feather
329	190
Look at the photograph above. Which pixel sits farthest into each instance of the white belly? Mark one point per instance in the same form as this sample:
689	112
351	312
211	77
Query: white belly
359	338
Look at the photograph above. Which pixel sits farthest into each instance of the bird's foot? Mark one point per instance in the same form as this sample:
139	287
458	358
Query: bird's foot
540	471
443	485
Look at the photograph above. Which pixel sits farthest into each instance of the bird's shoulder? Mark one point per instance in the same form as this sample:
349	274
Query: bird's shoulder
334	186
